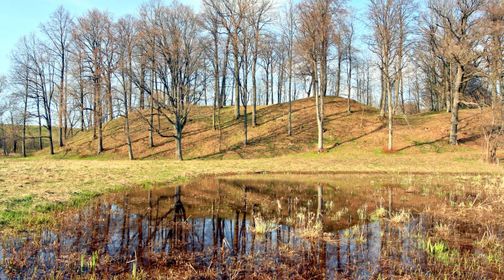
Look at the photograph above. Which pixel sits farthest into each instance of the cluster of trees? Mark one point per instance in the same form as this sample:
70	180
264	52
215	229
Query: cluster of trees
460	53
79	73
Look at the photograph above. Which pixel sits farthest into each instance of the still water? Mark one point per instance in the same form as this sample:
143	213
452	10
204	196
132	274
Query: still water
237	227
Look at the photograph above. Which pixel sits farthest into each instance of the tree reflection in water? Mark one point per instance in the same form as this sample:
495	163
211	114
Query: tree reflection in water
155	235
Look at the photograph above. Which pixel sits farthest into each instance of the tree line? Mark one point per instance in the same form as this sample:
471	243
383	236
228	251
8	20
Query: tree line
78	73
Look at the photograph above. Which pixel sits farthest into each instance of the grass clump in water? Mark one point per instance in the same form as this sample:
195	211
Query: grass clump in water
263	226
400	217
439	251
308	225
378	214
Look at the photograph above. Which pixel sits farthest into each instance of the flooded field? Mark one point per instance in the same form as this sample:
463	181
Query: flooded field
323	226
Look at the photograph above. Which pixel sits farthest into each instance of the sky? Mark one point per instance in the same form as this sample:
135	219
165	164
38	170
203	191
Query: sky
22	17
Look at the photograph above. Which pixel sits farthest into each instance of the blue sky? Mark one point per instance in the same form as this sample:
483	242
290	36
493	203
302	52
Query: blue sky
22	17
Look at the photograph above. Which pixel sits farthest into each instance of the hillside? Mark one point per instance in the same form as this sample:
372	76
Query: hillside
362	130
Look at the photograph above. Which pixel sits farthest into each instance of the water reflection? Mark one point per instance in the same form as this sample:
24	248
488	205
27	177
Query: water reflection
155	232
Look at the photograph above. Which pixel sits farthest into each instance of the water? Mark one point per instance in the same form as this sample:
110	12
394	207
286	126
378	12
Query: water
208	229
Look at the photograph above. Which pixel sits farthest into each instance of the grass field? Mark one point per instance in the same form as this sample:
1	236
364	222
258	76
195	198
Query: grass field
31	189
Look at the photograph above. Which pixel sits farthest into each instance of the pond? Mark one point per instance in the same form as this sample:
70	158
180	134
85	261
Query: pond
324	226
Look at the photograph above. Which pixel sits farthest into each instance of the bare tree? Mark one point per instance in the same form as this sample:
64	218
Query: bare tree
178	51
339	43
125	34
90	35
258	19
43	65
493	41
109	54
383	19
23	78
3	110
289	30
266	56
58	30
212	23
233	15
405	17
459	27
316	27
148	29
246	59
78	73
349	37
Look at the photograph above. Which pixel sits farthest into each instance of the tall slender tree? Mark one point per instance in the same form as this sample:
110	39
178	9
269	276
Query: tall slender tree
58	30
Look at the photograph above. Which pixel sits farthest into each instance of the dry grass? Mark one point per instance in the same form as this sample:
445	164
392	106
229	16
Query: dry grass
42	183
362	130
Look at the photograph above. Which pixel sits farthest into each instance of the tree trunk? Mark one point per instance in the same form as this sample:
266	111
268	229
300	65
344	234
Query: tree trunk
151	113
61	111
236	77
151	123
349	81
396	95
254	78
338	74
126	95
455	105
245	125
81	96
490	150
383	97
493	85
399	101
130	77
127	131
51	144
280	82
449	93
214	105
98	114
41	142
368	89
319	105
109	96
267	84
222	98
216	79
178	140
272	85
25	115
141	98
289	121
390	145
100	136
254	90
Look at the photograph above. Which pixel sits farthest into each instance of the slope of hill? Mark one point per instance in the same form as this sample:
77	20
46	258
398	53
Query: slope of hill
362	129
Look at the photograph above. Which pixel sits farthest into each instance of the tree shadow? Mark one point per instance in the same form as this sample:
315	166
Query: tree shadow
382	126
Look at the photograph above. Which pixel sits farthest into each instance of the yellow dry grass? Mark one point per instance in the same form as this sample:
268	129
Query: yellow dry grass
59	181
355	144
363	129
